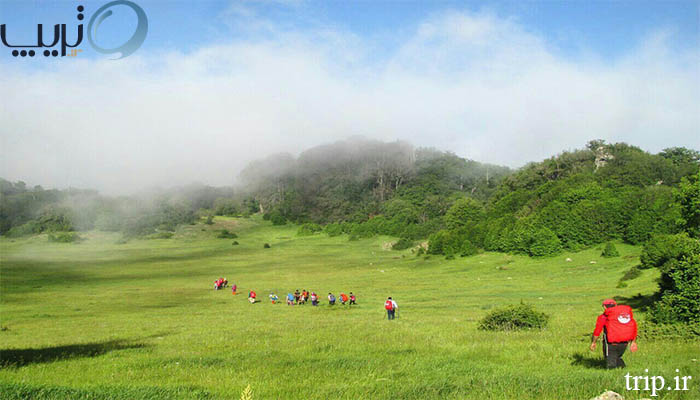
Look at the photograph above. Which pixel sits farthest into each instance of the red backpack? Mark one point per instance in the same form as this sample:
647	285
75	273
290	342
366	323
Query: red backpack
621	326
388	305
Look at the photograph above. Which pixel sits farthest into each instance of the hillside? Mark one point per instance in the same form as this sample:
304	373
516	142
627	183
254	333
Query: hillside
140	320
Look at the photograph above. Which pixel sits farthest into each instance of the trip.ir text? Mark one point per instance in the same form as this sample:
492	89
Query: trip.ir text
655	383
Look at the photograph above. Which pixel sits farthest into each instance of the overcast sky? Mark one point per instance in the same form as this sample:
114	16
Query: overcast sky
217	84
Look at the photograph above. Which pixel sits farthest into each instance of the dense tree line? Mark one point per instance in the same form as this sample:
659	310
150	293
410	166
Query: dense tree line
578	199
363	188
26	211
570	201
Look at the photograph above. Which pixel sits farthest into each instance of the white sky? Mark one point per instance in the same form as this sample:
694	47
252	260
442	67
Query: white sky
476	84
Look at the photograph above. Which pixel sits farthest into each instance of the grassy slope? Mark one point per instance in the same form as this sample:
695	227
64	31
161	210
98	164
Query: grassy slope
140	320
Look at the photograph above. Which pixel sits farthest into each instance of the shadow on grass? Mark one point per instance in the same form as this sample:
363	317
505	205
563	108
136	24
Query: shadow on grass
14	358
583	360
638	302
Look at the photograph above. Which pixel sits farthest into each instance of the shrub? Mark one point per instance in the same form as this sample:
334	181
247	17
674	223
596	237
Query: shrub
333	229
308	229
663	248
160	235
210	220
678	259
65	237
235	243
278	219
225	234
266	246
680	331
680	294
521	316
402	244
610	251
30	228
632	273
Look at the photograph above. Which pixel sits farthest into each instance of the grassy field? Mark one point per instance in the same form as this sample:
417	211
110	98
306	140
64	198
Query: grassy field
99	319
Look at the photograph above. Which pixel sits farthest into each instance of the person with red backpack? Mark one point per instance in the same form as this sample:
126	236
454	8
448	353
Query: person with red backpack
619	329
390	307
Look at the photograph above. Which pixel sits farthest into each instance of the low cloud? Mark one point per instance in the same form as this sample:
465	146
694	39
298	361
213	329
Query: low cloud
473	83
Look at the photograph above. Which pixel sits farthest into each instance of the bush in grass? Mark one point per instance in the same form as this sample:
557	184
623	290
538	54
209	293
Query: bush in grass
679	331
235	243
402	244
610	251
266	246
225	234
210	220
64	237
333	229
632	273
308	229
516	317
277	218
160	235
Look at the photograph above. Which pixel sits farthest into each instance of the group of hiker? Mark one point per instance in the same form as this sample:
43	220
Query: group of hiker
221	283
616	323
304	296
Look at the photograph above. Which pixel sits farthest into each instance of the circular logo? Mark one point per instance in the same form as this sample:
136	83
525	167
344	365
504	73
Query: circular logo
136	39
624	318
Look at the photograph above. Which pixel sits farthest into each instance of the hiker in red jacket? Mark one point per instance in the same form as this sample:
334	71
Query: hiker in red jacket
390	307
619	328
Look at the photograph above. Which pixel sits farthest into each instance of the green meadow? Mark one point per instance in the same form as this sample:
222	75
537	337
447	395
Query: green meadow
99	319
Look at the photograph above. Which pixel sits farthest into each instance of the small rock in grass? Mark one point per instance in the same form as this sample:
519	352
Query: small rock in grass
609	395
568	259
593	262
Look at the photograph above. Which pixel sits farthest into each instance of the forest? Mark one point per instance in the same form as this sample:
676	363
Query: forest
363	188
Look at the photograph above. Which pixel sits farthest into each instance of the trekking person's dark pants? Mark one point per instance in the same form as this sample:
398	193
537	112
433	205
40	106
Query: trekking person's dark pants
390	314
613	354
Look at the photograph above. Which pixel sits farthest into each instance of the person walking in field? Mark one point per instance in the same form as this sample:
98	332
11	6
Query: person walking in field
233	289
304	296
314	299
352	299
331	299
390	306
297	295
619	329
343	298
290	299
251	296
273	298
